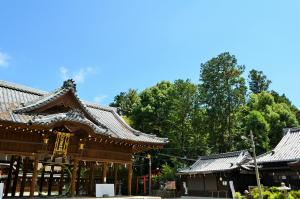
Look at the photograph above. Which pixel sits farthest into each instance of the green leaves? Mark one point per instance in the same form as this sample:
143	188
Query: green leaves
222	91
258	82
267	118
256	122
211	116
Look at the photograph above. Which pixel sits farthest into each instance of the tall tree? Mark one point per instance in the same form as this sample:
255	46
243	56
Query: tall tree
267	118
258	82
126	101
184	113
151	114
222	89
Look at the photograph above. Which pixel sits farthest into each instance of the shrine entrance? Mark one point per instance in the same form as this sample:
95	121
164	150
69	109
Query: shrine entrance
61	167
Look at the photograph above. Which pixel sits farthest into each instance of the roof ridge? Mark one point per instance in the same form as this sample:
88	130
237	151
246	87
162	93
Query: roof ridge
222	155
98	106
22	88
291	130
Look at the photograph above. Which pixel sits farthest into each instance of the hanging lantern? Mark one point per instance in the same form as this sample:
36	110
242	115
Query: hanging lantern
81	146
46	140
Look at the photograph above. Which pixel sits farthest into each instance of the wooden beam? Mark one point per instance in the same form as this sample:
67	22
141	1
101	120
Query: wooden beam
16	175
34	175
129	179
73	178
25	169
90	159
8	181
20	142
42	180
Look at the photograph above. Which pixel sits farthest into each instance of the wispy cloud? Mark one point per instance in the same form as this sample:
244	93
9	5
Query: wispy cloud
4	58
63	71
78	76
100	98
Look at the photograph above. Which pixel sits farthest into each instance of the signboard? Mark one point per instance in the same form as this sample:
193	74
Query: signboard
61	144
105	189
170	185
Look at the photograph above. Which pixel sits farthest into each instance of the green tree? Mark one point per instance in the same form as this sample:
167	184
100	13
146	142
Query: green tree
258	82
276	115
126	102
256	122
153	110
222	90
183	131
283	99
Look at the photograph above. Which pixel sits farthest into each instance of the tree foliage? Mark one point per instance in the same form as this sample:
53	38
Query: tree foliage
210	116
222	92
126	101
258	82
267	118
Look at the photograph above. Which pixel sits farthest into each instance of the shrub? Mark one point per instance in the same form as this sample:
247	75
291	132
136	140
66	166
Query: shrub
295	194
267	194
238	195
274	193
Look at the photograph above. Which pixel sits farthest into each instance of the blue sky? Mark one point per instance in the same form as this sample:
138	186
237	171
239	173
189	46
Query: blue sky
110	46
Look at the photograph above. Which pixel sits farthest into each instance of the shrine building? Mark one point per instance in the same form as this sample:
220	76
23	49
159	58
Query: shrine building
55	142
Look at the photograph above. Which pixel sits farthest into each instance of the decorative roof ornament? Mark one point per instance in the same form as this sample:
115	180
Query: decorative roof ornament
70	83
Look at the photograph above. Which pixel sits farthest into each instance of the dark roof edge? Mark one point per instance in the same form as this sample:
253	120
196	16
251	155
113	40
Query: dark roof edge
291	130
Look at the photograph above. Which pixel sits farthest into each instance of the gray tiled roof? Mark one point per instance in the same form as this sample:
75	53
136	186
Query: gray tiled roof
73	116
16	102
218	162
287	150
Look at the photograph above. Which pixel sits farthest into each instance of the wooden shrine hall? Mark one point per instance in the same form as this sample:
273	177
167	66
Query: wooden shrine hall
55	142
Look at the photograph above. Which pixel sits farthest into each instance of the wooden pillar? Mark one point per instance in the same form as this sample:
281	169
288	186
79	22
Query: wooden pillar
78	180
25	169
204	185
34	175
145	184
61	180
91	178
16	175
8	181
42	180
104	172
137	186
116	167
129	179
73	178
50	181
